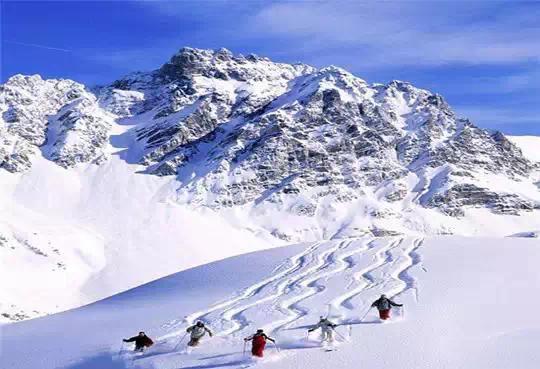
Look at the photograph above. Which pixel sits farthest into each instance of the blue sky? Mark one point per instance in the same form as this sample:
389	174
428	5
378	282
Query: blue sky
483	57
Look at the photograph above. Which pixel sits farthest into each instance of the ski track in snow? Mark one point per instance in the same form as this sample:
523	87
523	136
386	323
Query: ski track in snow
296	263
414	259
368	266
364	277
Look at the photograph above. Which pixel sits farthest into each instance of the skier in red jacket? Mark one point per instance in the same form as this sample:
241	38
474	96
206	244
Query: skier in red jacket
259	342
384	305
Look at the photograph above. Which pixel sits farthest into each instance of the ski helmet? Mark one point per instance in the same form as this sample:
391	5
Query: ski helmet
200	324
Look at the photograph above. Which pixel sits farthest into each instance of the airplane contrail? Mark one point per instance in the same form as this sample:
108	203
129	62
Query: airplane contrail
39	46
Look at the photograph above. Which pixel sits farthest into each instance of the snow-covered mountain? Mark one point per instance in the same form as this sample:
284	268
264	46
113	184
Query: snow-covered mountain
106	188
244	131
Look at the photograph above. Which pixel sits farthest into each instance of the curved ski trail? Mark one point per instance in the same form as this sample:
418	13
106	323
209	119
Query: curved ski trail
338	278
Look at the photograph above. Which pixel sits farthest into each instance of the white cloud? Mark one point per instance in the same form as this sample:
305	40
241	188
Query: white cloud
521	81
408	33
499	118
516	82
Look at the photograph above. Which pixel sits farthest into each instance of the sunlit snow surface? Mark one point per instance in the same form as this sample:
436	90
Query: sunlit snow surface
469	303
71	237
529	145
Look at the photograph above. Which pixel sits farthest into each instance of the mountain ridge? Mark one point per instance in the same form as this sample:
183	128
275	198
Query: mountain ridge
241	117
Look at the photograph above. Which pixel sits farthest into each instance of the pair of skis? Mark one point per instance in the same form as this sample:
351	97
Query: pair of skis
327	345
132	354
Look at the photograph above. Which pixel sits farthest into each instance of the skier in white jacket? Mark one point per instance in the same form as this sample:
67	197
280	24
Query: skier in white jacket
197	331
327	328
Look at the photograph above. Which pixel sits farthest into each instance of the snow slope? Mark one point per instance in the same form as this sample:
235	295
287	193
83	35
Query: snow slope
469	304
70	237
529	145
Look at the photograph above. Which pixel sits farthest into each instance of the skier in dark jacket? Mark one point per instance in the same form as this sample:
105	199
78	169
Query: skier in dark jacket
141	341
259	342
384	304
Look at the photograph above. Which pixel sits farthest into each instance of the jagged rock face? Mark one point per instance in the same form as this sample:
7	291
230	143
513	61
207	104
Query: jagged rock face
454	201
78	133
58	117
245	131
473	148
223	65
198	91
320	133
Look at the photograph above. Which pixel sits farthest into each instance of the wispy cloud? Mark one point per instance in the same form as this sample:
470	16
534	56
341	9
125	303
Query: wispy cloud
509	82
501	118
521	81
408	33
377	33
37	46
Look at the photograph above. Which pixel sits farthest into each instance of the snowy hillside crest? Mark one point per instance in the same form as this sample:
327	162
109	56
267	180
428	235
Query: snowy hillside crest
243	132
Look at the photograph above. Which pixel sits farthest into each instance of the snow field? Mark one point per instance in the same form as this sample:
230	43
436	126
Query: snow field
468	303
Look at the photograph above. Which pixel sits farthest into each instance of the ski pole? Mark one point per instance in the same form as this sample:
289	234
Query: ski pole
133	357
276	346
403	311
121	348
179	342
244	351
367	312
339	335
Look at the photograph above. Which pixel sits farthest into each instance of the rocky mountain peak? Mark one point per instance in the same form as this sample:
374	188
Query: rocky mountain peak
58	117
245	131
223	65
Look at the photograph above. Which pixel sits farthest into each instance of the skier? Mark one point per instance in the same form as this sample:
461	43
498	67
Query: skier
327	328
259	342
197	331
384	304
141	341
